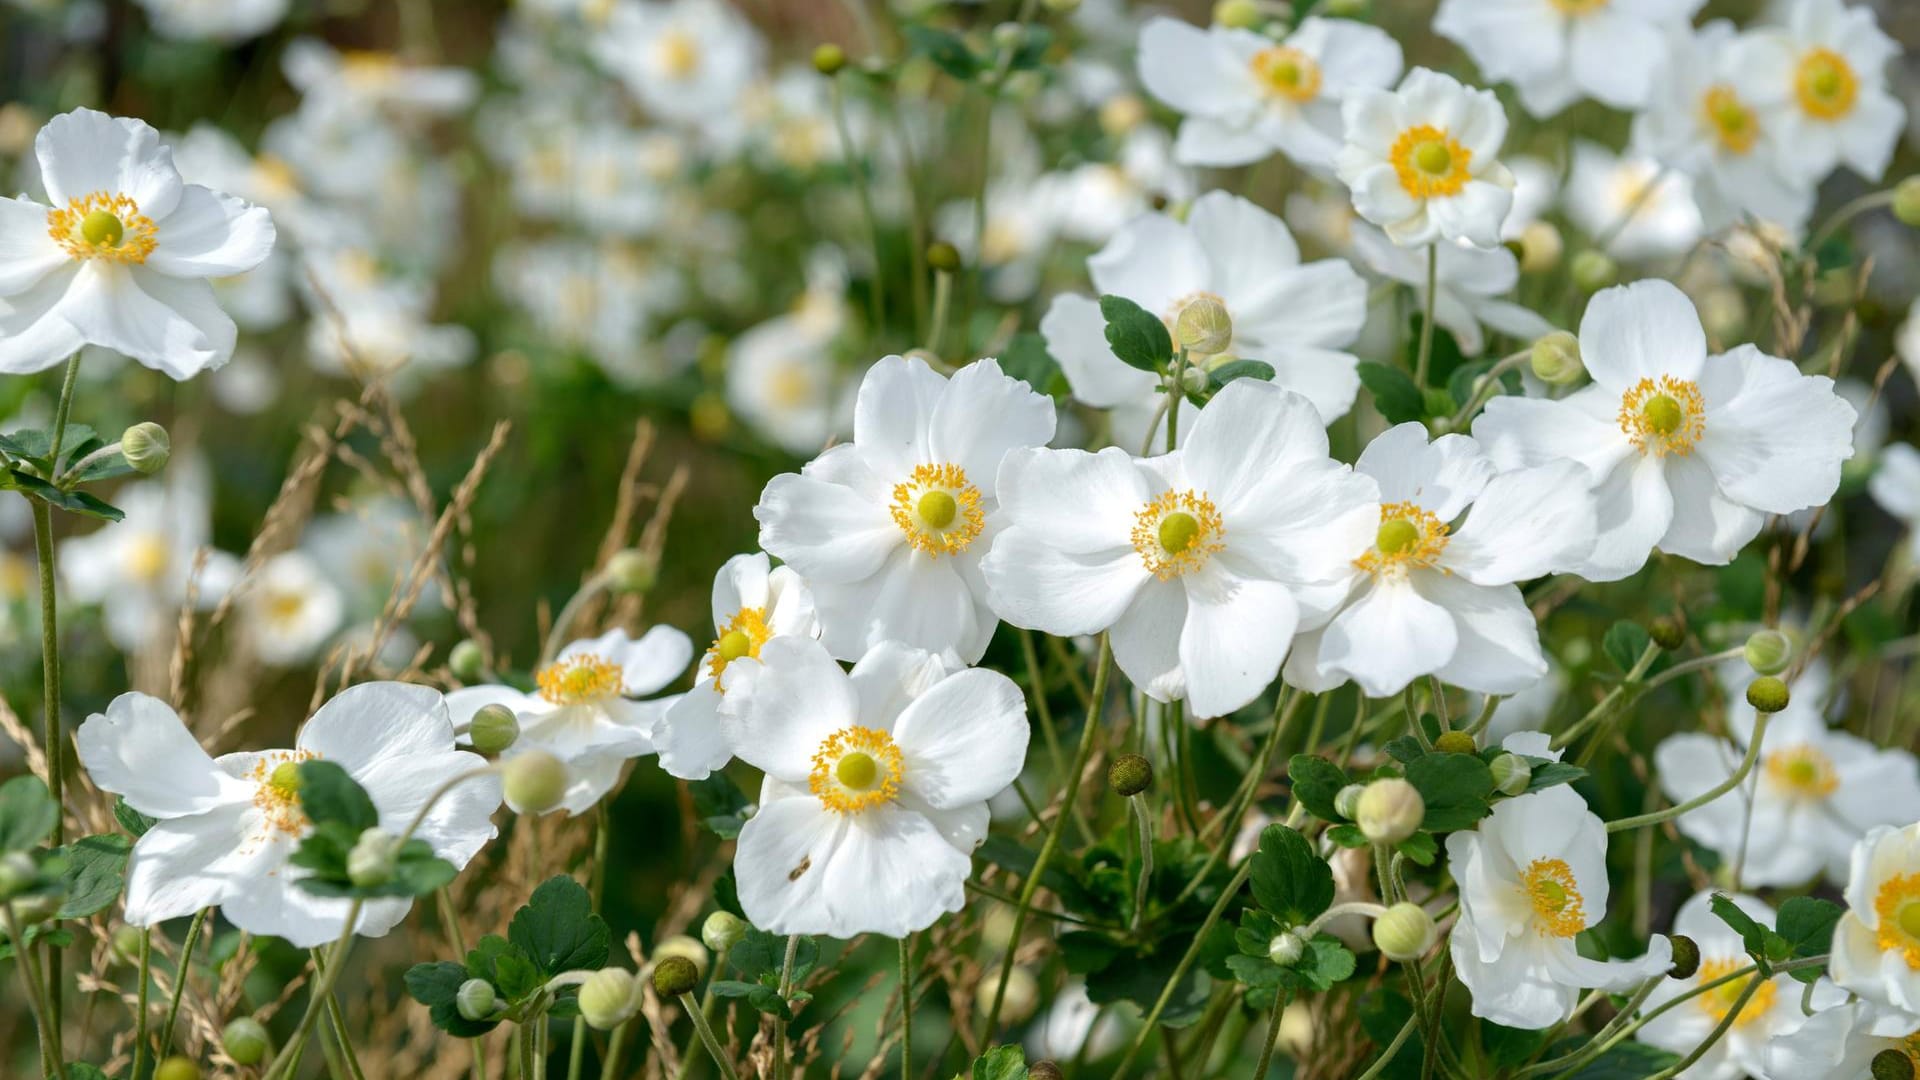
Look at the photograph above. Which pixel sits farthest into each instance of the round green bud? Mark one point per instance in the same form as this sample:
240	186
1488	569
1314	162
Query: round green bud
1767	694
1668	632
476	1000
722	931
1511	774
630	571
146	447
1238	14
1044	1070
1019	1002
1194	378
18	872
494	728
1346	801
607	998
683	945
1594	270
1130	774
1686	957
1455	742
1556	359
1389	811
245	1040
1768	652
1203	325
1906	201
675	975
1405	932
1892	1064
1286	948
943	256
124	945
829	58
177	1067
370	862
1540	248
535	781
467	661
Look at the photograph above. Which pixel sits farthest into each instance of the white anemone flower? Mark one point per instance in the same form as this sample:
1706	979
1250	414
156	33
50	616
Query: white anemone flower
1434	591
226	21
1470	285
1771	1012
889	529
781	378
1876	947
1297	317
754	603
1245	96
122	257
583	709
876	786
1840	1043
1645	211
1688	453
1557	52
1895	486
228	825
291	607
687	61
349	86
1533	876
1841	110
1423	161
1192	560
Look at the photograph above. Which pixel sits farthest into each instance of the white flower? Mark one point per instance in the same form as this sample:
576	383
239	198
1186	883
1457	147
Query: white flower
582	711
1422	597
1817	792
1649	211
1716	114
781	378
754	604
1557	52
1297	317
350	86
1423	161
368	548
876	786
1688	452
687	61
225	21
1896	487
1841	110
889	529
122	257
1245	96
601	298
1840	1043
1471	282
1533	876
1876	947
1099	198
1193	559
290	608
226	830
1772	1012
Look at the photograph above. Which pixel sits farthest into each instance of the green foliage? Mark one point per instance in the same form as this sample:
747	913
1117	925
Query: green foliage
555	931
1136	336
1239	369
1457	789
341	811
758	960
1288	879
94	875
1624	643
1315	783
1000	1063
1394	393
1026	358
722	806
558	930
27	813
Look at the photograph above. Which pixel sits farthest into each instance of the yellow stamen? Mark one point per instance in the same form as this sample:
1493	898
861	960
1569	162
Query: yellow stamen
1733	123
1287	72
1720	1000
103	226
276	791
1555	897
1176	533
742	636
854	769
1430	162
579	679
147	557
678	54
1409	538
1802	771
1897	906
1578	7
938	510
1826	85
1664	417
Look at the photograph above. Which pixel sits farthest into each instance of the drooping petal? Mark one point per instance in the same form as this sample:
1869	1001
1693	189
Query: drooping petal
34	335
211	235
173	325
690	739
964	740
805	870
139	749
1633	509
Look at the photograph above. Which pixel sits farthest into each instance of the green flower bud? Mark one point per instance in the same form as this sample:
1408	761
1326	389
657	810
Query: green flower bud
1892	1064
1906	201
630	571
1511	774
607	998
370	863
1540	248
177	1068
1769	652
1194	378
1389	811
682	945
476	1000
722	931
467	661
1346	801
1286	948
1594	270
17	874
1130	774
124	945
145	446
1238	14
1455	742
245	1040
828	59
1021	999
943	256
1203	325
535	781
675	975
1767	694
494	729
1686	957
1556	359
1044	1070
1405	932
1668	632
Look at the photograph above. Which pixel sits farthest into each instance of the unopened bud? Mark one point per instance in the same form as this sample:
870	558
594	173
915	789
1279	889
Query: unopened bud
1062	7
1540	248
1238	14
674	976
245	1040
1286	948
534	780
1455	742
1767	694
494	728
943	256
1768	652
1686	957
683	945
1203	325
1019	1002
370	863
1892	1064
1511	774
476	1000
1194	379
1389	811
1556	359
1346	801
607	999
1668	632
146	447
630	571
1906	201
125	943
1130	774
828	59
1044	1070
722	931
177	1067
1405	932
467	661
1594	270
17	874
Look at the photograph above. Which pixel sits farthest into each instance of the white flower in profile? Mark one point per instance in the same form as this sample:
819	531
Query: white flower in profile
1245	96
1192	560
754	603
1423	161
1297	317
1557	52
228	825
1770	1013
888	530
1840	1043
1533	876
1841	110
1644	211
1688	453
1876	947
687	61
122	257
1471	283
290	608
876	786
1717	114
1434	591
1895	486
226	21
350	86
781	376
582	710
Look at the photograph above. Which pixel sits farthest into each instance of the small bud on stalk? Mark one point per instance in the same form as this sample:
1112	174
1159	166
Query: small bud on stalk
722	931
245	1040
1892	1065
146	447
125	944
476	1000
1238	14
370	863
1389	811
1906	203
535	781
1767	694
1286	948
943	256
1668	632
1556	359
1346	801
682	945
1686	957
1511	774
607	999
675	975
1455	742
1130	774
828	59
630	571
1405	932
1203	325
1769	652
467	661
177	1067
494	729
1594	270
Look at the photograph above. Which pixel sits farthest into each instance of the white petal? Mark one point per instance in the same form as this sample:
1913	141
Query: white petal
1146	640
1641	331
1475	214
690	739
1499	642
84	151
27	253
1079	502
1236	634
804	870
172	325
1896	483
184	864
1181	65
1518	432
459	824
34	335
1248	433
1389	636
799	698
1208	142
1321	303
963	741
830	533
1774	438
892	414
1076	337
981	416
649	664
1707	527
139	749
375	721
1153	261
211	235
1305	525
1244	243
1328	378
1634	507
1034	583
1526	523
1441	477
1614	57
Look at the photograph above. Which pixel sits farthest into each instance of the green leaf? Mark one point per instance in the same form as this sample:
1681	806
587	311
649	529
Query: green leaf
74	502
1315	782
135	822
503	964
1627	1061
1393	392
1421	847
95	874
27	813
1455	787
1806	924
1032	47
1761	943
946	49
1509	1047
1026	358
1001	1063
1324	963
80	1070
1382	1014
722	807
437	986
1137	337
29	444
1348	836
1288	878
1547	774
1624	643
762	954
1239	369
1445	357
328	794
1256	932
558	930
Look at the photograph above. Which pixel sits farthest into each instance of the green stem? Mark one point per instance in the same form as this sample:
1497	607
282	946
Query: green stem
706	1036
1145	824
1720	1029
1180	970
1380	1063
30	976
1273	1037
781	1066
336	960
1707	796
906	1007
577	1049
1175	392
942	301
1426	322
860	170
180	974
569	615
610	1068
140	1013
1599	712
1848	212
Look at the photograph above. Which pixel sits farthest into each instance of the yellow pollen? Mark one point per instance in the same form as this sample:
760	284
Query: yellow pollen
1897	905
789	387
1664	417
147	557
1555	897
285	606
1803	771
1176	533
1733	123
741	637
1826	85
854	769
103	226
938	510
1409	538
1430	162
1720	1000
1287	72
678	54
576	680
276	791
1578	7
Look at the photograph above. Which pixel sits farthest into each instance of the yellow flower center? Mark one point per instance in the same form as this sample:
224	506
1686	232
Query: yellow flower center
938	510
1720	1000
1733	123
579	679
1578	7
1898	906
854	769
103	226
1287	72
678	54
276	789
1664	417
1555	897
790	387
1176	533
1430	162
743	635
147	557
1826	85
368	69
1802	771
1409	538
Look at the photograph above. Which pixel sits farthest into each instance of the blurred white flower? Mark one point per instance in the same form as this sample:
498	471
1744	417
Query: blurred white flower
1470	283
686	61
1840	1043
357	83
371	326
1840	109
600	298
781	377
1423	162
226	21
1896	487
1557	52
1645	210
290	608
1100	198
